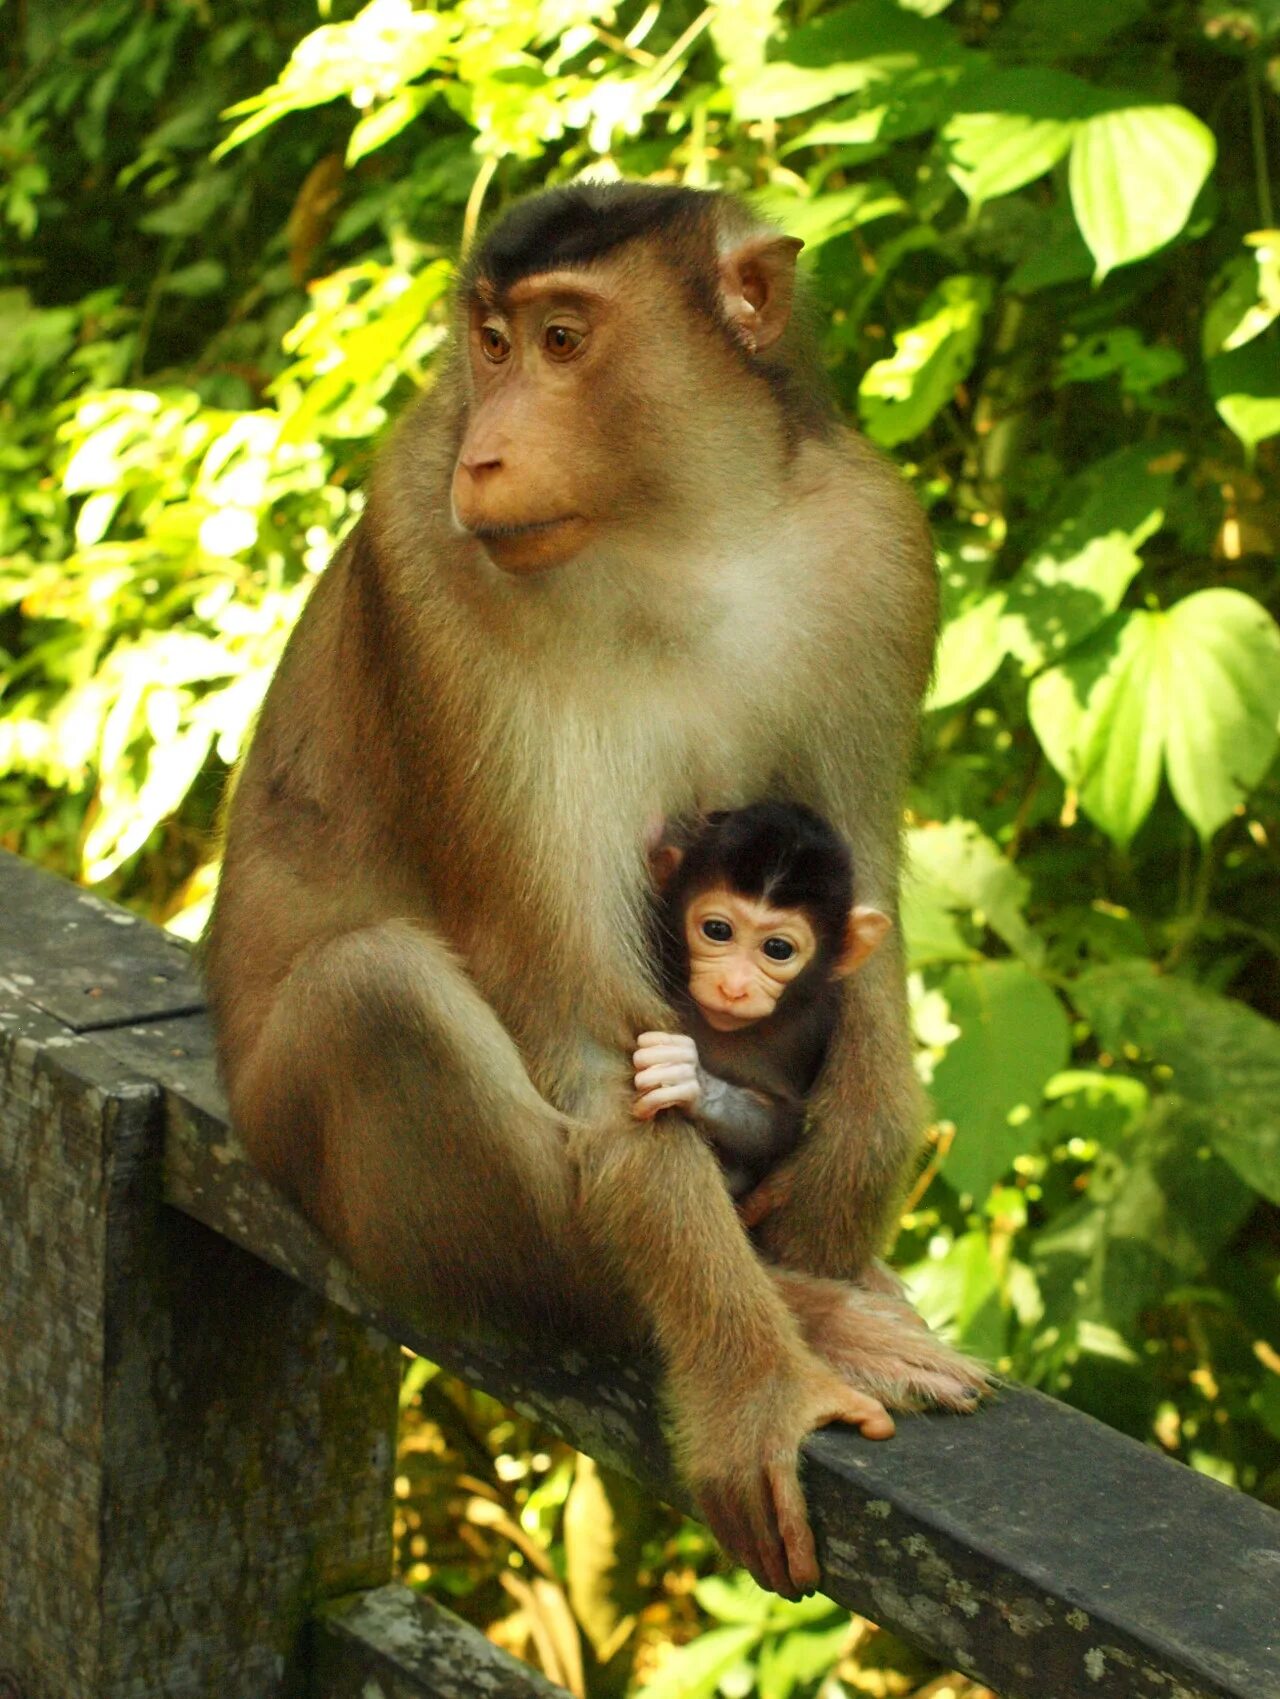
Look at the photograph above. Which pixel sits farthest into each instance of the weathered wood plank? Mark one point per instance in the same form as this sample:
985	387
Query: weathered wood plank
1029	1545
87	961
392	1644
193	1446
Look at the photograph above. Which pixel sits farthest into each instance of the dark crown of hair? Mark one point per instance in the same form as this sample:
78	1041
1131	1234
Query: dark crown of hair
782	853
581	222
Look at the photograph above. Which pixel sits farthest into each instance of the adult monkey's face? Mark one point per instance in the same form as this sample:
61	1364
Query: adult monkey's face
582	415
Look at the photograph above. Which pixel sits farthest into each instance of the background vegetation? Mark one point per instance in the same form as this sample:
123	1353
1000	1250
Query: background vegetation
1044	236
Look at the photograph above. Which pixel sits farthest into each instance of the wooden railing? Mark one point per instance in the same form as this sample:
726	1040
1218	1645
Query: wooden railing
198	1407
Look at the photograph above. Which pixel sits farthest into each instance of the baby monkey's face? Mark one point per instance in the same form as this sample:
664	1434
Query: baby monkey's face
743	954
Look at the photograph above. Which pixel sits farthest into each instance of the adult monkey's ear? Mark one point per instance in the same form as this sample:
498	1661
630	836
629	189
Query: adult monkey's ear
757	286
864	932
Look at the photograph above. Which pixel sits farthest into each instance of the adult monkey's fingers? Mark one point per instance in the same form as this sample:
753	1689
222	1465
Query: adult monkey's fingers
796	1534
725	1514
767	1529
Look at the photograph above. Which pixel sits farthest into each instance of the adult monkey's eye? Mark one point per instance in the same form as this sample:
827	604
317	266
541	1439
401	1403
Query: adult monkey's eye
494	343
778	949
560	341
719	931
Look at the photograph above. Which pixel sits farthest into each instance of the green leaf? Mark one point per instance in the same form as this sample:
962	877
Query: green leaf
1221	1059
695	1671
854	49
959	1292
801	1658
1244	298
1246	389
956	868
970	649
1155	1213
817	219
1141	367
386	121
1134	177
1197	689
1078	575
734	1598
1013	1038
900	396
993	153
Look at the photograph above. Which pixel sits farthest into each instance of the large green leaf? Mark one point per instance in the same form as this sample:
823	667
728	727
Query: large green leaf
1078	575
1134	177
1196	689
993	153
899	397
1013	1038
1219	1057
1010	126
853	49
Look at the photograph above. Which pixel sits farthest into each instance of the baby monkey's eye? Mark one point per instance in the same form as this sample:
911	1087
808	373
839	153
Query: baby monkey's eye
778	949
719	931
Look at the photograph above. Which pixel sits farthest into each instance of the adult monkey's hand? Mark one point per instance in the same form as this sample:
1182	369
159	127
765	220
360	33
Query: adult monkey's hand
621	561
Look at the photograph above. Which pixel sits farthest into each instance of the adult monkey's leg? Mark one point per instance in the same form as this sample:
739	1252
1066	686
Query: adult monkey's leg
383	1093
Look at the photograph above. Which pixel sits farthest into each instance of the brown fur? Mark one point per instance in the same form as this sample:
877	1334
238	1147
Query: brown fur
428	960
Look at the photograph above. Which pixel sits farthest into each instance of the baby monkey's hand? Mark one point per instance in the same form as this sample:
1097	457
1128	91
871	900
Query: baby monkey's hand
667	1074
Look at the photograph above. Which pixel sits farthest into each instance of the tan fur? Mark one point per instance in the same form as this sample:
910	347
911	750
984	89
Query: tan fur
428	962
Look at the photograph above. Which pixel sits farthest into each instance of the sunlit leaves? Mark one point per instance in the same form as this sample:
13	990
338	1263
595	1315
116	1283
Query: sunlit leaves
860	48
368	59
898	397
954	868
1195	691
1013	1038
1244	299
1134	176
1245	384
994	153
1079	573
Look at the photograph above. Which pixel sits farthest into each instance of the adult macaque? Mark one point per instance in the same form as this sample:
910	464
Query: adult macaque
757	926
621	563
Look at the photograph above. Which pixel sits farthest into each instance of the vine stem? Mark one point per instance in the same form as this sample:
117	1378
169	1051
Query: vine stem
1258	135
475	200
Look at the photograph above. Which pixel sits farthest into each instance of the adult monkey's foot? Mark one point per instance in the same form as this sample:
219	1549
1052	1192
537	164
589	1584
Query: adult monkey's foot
871	1337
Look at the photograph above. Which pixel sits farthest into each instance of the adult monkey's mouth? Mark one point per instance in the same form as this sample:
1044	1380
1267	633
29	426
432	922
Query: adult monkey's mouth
534	546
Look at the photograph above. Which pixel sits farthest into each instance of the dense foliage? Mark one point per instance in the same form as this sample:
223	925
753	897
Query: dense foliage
1043	236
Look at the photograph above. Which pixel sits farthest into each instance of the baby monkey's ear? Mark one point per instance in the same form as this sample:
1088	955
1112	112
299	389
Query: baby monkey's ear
863	932
664	864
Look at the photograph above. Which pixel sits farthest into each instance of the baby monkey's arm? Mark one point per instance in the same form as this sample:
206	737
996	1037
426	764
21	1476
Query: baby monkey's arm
749	1129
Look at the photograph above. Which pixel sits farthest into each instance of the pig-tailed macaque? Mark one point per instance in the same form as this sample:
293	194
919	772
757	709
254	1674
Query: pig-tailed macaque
756	927
622	562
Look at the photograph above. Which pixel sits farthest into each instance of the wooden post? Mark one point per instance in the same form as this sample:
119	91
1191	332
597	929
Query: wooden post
194	1449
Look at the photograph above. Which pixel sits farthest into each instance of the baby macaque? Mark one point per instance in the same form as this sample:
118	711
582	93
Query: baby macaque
756	926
